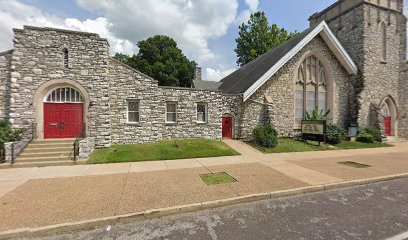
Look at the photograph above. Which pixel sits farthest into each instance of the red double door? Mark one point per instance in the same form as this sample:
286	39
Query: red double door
227	127
63	120
387	125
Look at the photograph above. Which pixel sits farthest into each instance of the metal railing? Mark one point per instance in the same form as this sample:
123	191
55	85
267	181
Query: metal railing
24	143
75	145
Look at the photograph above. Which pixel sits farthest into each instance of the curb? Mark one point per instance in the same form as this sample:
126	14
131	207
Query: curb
162	212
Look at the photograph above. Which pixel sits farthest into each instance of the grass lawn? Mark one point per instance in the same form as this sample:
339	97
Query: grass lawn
163	150
290	145
217	178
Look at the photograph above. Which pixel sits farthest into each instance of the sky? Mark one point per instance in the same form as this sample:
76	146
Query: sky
204	29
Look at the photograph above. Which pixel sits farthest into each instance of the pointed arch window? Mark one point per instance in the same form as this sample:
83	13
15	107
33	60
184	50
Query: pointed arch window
65	58
310	88
383	42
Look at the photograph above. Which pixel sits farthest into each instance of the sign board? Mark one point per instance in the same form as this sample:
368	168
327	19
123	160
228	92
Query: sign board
314	130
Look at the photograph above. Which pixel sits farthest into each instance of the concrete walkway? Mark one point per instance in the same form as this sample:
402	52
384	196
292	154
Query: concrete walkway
281	162
74	193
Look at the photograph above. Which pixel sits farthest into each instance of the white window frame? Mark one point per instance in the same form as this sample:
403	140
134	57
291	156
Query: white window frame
205	112
128	111
175	121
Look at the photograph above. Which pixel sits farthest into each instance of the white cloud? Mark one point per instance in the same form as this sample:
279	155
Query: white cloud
15	14
252	4
216	75
191	23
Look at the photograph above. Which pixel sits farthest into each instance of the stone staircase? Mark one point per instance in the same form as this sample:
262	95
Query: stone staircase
50	152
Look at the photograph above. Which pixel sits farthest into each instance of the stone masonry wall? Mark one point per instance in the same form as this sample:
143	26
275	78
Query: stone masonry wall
359	31
38	58
5	58
129	84
280	88
232	105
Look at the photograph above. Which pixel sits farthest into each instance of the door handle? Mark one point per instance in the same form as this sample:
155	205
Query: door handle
61	126
53	124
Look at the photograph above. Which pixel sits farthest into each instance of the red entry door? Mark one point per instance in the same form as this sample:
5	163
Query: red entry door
227	127
387	126
63	120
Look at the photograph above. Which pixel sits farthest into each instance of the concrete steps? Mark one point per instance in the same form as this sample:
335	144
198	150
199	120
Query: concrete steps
49	152
395	140
41	164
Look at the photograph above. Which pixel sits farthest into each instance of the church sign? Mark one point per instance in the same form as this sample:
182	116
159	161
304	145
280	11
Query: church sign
314	130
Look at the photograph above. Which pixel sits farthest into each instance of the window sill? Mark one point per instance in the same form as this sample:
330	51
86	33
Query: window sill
137	124
383	62
201	123
170	123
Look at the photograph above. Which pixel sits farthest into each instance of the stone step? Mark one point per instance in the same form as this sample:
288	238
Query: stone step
42	164
41	159
31	149
54	141
395	140
50	145
49	153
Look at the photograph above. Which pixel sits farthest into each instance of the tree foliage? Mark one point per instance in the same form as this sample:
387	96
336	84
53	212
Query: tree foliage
257	37
160	58
7	134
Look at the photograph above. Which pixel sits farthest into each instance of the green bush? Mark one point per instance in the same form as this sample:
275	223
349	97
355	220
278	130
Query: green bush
316	114
335	134
7	134
375	132
365	137
265	135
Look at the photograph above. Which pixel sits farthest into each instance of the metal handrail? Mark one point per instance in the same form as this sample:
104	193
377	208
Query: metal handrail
75	148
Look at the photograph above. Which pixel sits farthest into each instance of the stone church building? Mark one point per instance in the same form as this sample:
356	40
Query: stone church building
352	60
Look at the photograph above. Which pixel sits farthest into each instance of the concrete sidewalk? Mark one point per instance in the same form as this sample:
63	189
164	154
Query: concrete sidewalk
73	193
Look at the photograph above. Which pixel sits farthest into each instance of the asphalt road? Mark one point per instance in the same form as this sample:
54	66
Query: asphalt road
375	211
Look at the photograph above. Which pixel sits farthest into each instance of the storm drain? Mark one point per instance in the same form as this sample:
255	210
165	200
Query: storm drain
217	178
354	164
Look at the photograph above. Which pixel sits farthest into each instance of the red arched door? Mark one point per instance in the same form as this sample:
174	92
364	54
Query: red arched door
227	127
387	119
63	114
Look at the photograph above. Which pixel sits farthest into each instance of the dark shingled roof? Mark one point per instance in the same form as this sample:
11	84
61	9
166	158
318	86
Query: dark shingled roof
242	79
206	85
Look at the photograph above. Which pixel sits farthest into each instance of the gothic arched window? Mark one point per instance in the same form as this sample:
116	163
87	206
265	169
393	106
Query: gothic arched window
310	88
383	42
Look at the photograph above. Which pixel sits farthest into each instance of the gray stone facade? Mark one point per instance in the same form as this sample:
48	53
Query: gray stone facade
5	58
357	24
280	88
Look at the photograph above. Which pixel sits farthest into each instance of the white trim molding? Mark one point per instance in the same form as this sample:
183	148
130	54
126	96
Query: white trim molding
332	42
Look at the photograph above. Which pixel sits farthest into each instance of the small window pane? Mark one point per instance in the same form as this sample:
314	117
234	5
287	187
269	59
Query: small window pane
310	100
171	107
133	106
133	117
171	117
322	101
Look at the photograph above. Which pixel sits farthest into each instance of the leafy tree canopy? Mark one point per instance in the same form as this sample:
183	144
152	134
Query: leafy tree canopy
160	58
257	37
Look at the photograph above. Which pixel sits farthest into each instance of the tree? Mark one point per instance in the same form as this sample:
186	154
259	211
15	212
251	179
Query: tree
7	134
160	58
257	37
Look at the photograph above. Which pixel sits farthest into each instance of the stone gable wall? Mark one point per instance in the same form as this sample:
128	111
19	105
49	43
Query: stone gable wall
38	58
5	58
128	84
280	88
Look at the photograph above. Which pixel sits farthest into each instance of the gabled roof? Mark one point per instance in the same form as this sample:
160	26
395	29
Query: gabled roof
253	75
206	85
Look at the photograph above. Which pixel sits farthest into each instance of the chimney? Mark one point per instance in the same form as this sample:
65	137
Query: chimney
197	73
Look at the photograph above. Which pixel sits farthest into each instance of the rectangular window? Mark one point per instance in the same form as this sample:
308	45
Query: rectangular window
299	107
133	115
322	101
310	100
202	113
171	112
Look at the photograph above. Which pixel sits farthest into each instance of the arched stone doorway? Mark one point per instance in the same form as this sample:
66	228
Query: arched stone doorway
388	117
61	109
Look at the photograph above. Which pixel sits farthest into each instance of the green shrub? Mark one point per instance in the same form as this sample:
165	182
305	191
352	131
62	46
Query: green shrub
7	134
265	135
316	114
365	137
335	134
375	132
